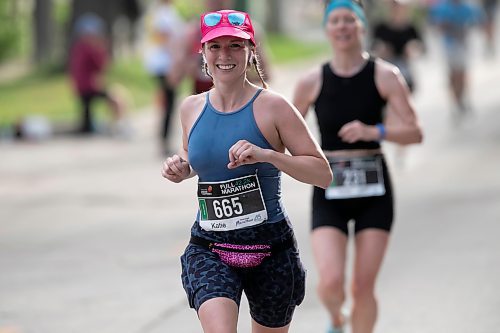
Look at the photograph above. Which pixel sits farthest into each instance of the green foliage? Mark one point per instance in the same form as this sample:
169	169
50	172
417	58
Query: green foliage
8	37
286	49
49	93
136	83
62	12
35	94
9	31
189	9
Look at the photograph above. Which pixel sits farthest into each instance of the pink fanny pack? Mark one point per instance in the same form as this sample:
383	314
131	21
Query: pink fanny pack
240	255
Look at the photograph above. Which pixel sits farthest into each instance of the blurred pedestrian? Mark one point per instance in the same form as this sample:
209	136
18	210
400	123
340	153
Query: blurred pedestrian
397	39
349	93
234	139
88	62
490	10
165	31
455	18
201	81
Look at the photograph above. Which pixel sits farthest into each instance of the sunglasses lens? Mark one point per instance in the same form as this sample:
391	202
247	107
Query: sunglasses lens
236	18
212	19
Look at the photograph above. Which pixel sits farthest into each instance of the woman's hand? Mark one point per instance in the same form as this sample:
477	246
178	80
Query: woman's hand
244	152
176	169
355	131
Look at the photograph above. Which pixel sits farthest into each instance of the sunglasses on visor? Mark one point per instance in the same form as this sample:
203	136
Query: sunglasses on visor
234	18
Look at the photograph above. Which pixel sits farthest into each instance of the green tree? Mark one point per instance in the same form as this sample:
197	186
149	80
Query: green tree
9	29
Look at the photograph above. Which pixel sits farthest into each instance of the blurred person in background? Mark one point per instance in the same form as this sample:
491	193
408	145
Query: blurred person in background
165	31
235	138
88	62
349	94
455	18
201	81
490	10
397	39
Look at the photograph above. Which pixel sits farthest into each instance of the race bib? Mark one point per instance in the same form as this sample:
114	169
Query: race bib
231	204
356	177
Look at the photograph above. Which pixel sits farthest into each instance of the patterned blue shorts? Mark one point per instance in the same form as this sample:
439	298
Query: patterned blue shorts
273	289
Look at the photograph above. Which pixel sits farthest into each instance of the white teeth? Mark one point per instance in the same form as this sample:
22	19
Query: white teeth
225	67
343	38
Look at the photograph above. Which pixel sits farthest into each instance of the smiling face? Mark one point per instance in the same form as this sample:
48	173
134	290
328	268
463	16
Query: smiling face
227	57
344	29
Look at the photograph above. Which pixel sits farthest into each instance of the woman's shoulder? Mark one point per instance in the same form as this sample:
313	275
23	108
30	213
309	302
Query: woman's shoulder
193	103
309	84
271	99
385	69
192	100
308	88
388	77
311	77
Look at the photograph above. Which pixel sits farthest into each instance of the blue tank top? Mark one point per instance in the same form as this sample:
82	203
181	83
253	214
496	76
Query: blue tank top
212	135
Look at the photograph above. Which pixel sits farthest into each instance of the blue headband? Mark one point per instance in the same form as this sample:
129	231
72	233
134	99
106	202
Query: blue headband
349	4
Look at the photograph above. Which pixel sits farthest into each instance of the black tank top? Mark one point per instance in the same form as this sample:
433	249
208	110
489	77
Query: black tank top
344	99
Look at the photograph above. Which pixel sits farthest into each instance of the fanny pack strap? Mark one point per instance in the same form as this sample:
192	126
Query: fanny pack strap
275	248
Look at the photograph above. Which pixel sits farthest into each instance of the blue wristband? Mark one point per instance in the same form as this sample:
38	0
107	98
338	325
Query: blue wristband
382	132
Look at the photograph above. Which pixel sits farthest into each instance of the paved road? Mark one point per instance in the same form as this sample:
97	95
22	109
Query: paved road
90	234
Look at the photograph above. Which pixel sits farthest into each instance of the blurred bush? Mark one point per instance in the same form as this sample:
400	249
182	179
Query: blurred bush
10	32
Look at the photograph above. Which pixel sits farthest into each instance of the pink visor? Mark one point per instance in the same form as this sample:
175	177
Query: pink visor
226	23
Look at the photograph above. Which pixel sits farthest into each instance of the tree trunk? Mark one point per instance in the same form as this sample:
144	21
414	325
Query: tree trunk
274	13
43	31
240	5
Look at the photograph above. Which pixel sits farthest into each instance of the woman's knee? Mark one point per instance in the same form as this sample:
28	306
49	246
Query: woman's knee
331	285
363	288
218	315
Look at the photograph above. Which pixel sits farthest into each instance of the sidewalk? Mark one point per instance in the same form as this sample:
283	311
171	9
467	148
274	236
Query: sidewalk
90	234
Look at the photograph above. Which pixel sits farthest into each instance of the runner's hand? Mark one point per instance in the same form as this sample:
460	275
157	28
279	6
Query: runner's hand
355	131
244	152
176	169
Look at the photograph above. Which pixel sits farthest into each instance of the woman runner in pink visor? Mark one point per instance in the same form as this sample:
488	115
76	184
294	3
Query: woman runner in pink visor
234	139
